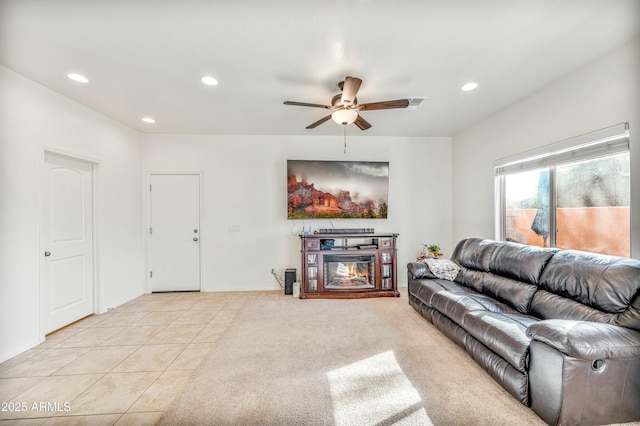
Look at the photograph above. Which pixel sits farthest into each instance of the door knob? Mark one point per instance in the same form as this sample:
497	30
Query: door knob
195	238
47	254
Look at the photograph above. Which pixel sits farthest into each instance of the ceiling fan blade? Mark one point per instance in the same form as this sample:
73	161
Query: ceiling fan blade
362	123
307	104
319	122
399	103
350	90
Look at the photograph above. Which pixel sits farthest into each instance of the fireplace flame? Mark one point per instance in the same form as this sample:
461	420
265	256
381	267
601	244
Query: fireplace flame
350	271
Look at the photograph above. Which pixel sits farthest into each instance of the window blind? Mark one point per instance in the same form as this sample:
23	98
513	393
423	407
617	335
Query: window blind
608	141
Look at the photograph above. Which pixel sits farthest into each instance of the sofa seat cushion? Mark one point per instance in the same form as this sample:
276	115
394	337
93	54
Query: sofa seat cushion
424	289
457	305
503	333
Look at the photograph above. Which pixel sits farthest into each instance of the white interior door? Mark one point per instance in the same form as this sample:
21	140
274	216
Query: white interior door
67	241
174	234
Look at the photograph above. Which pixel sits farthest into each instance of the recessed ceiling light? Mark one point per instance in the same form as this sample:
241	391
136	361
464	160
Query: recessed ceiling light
468	87
77	77
148	120
209	81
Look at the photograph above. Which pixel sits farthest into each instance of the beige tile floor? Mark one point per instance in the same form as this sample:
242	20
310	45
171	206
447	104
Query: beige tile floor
124	367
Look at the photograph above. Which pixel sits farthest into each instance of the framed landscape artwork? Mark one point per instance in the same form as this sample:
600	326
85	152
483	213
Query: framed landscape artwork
337	189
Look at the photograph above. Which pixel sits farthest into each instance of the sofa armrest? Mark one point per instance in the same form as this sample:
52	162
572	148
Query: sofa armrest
419	270
587	340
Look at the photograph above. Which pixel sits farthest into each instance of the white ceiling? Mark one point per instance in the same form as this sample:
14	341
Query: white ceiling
146	57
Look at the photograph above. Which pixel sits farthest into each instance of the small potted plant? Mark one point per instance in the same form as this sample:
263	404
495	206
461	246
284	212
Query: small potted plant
428	251
434	250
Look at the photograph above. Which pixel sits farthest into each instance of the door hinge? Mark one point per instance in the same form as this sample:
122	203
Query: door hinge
151	230
150	274
149	188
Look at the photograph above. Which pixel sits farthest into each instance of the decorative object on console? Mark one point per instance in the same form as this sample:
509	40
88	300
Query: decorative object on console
327	244
337	189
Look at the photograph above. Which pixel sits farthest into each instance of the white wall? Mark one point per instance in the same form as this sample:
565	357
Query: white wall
601	94
245	189
33	117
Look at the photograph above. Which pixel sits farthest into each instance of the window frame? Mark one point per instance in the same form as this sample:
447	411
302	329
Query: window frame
598	144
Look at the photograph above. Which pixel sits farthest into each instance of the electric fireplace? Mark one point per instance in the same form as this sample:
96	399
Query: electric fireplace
355	265
349	272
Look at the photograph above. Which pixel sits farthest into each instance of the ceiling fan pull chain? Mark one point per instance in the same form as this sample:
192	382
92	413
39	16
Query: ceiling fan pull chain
345	138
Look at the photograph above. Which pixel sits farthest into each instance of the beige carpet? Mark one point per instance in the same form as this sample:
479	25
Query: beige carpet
286	361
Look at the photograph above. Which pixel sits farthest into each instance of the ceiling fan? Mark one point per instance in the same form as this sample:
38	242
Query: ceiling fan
345	105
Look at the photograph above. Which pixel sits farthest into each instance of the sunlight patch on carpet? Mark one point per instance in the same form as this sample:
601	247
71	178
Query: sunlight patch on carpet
375	391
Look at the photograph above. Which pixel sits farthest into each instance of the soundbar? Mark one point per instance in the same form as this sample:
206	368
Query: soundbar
346	231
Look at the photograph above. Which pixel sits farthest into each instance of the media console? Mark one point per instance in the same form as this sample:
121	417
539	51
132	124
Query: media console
348	266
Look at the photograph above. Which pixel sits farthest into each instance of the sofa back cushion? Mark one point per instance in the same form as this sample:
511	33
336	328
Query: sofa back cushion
504	271
552	283
548	305
471	278
514	293
608	287
520	262
474	253
473	256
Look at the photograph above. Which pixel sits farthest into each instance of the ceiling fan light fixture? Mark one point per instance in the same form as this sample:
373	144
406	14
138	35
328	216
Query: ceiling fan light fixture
469	87
345	106
209	81
78	77
344	116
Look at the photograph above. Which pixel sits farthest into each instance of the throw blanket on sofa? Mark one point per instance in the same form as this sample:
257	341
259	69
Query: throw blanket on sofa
443	268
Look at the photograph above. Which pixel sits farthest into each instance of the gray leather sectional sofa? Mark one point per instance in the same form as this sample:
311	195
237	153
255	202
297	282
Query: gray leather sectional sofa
558	329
